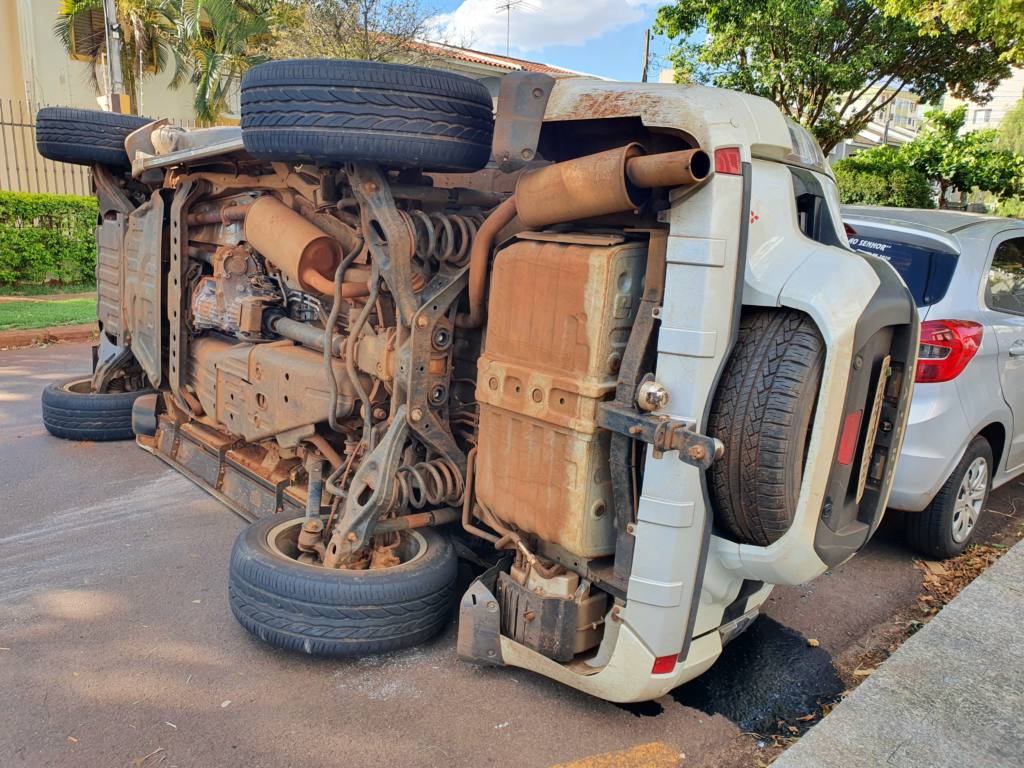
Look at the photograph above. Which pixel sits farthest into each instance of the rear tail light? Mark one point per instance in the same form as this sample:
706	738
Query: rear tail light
664	664
947	346
850	231
727	160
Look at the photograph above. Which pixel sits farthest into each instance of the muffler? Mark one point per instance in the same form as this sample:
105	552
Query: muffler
302	251
608	182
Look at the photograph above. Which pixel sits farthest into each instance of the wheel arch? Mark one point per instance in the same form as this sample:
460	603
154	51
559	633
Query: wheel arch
995	434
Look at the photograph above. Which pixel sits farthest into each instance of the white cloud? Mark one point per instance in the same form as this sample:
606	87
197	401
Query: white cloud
537	24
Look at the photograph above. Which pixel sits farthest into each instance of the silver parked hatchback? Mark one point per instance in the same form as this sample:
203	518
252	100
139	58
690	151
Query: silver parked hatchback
966	430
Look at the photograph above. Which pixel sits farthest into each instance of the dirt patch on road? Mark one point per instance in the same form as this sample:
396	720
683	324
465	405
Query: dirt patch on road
37	337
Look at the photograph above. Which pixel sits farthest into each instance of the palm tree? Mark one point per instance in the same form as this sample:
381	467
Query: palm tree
145	28
215	42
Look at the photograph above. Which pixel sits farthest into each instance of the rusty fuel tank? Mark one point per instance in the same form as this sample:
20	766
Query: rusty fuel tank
559	318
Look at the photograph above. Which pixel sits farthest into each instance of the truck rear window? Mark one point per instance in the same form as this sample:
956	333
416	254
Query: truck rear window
926	272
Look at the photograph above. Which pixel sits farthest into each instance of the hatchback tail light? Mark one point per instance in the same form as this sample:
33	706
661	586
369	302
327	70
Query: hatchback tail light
947	346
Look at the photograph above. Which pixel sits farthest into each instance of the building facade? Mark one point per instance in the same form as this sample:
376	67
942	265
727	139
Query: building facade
38	71
894	124
990	115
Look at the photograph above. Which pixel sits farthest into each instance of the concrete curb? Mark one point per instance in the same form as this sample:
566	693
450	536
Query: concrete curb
949	697
34	336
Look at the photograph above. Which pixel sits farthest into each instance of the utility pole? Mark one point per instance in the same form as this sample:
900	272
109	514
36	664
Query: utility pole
647	54
118	100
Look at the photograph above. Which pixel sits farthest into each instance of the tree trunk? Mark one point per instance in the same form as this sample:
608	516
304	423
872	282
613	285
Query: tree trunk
942	194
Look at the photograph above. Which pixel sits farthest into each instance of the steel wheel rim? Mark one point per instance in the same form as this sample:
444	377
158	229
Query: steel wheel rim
280	536
79	386
970	499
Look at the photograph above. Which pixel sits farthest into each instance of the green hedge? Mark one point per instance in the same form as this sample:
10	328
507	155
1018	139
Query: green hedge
902	188
47	237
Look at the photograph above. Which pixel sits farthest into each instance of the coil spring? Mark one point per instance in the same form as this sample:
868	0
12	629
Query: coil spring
433	482
443	237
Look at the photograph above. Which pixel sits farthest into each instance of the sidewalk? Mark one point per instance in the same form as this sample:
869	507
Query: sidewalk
951	696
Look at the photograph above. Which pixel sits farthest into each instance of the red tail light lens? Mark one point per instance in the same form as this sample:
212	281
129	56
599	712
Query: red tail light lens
727	160
947	346
850	231
848	440
664	664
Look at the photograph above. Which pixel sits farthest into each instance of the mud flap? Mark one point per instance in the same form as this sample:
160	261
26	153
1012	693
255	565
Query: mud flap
480	621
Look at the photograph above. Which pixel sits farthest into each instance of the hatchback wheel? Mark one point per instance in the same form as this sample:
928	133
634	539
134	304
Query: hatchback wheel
946	527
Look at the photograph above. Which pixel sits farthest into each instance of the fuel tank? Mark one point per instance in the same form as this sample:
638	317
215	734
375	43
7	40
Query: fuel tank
559	316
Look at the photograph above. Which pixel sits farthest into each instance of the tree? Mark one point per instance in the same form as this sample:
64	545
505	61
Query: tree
829	64
882	176
214	43
1001	21
964	162
1011	129
145	30
373	30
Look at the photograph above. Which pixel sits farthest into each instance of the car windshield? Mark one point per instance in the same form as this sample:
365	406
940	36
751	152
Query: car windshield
926	272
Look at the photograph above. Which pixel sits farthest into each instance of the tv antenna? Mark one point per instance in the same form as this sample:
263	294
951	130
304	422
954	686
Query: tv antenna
506	6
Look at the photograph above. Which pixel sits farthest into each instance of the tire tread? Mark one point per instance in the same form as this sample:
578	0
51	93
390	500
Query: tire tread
85	136
759	415
79	416
339	613
338	111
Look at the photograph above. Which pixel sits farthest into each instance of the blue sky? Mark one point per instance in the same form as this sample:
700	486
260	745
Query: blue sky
600	37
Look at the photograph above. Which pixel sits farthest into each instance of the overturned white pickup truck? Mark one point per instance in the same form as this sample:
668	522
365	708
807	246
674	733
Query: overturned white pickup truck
610	346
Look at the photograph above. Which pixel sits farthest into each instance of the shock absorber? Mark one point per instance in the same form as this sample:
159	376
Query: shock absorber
436	482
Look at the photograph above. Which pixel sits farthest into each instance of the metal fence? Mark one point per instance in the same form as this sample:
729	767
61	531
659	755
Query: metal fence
22	169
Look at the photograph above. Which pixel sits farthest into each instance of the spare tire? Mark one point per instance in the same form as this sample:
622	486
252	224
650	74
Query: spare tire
85	136
762	412
331	111
339	613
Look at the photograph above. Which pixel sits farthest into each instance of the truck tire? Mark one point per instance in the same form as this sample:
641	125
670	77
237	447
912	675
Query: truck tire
85	136
762	412
946	526
331	111
338	613
72	412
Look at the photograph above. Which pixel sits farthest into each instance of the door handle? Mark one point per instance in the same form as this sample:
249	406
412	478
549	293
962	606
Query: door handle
1017	348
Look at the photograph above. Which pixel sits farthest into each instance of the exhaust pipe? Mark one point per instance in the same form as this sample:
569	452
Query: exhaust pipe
595	185
583	188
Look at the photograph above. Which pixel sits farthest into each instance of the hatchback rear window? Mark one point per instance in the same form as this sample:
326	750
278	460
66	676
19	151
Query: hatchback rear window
926	272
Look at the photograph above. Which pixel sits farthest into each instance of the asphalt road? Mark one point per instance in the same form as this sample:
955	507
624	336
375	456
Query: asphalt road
117	647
